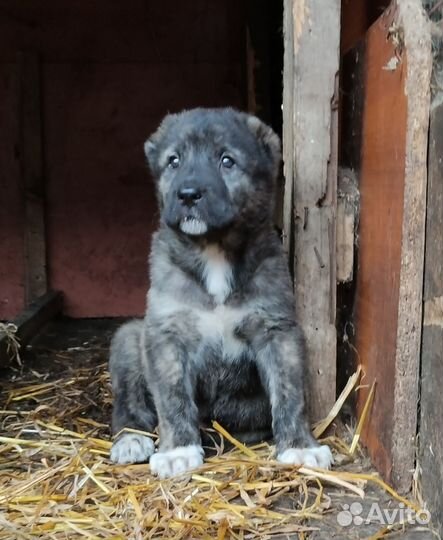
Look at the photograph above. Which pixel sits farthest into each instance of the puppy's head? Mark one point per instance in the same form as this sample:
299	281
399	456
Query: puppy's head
215	169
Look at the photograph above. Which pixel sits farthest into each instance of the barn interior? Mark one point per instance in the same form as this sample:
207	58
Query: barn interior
82	85
87	84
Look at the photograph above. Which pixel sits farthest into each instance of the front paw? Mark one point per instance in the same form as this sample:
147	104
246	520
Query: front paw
132	448
176	461
318	456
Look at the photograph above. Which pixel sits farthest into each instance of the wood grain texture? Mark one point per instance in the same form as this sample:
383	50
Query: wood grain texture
380	233
311	176
417	42
392	176
431	396
288	130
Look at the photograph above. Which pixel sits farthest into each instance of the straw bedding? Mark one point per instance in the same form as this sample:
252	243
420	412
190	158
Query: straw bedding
56	480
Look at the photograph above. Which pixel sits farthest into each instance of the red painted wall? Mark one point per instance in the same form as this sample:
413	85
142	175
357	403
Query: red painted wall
110	72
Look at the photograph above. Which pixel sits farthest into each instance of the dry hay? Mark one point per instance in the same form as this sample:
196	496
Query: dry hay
8	332
56	480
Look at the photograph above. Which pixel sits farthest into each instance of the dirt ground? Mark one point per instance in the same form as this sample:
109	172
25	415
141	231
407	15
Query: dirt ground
71	351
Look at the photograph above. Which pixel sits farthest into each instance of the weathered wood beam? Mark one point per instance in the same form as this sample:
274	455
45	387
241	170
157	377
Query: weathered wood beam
431	395
312	41
288	132
417	42
31	321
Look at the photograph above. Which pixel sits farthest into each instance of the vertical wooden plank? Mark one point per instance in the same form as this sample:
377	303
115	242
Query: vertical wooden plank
310	125
288	131
431	401
382	184
417	43
12	297
31	157
393	65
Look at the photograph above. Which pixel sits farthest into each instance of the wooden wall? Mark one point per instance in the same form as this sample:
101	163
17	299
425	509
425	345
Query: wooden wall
109	72
386	80
12	296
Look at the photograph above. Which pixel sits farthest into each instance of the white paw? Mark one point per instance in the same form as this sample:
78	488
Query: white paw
177	460
132	448
320	456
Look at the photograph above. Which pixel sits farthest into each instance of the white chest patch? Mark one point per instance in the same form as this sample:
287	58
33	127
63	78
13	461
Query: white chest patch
217	274
218	327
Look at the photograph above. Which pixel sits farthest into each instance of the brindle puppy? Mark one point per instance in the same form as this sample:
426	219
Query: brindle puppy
219	339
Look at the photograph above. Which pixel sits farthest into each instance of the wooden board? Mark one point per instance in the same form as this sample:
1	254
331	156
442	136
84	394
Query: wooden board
310	152
11	195
28	323
31	158
348	201
357	17
288	131
101	98
431	401
393	67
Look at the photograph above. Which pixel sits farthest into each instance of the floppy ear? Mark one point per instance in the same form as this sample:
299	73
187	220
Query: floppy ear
267	137
152	145
150	150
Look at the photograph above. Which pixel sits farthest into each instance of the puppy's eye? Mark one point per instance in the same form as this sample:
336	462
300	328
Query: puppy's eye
227	162
173	161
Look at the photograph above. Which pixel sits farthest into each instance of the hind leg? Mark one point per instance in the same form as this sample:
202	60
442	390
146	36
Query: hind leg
133	406
247	418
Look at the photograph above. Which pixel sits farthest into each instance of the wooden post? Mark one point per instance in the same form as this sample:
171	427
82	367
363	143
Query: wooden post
312	39
288	131
417	42
431	401
31	156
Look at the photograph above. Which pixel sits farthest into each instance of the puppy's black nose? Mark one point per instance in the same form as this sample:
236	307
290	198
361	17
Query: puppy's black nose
189	195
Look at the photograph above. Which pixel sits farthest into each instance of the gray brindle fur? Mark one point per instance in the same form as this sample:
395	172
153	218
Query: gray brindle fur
219	339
